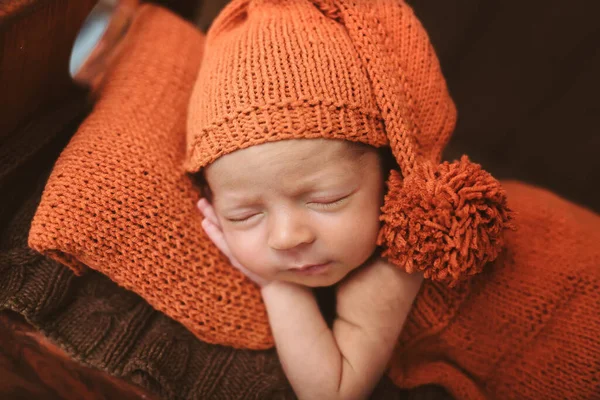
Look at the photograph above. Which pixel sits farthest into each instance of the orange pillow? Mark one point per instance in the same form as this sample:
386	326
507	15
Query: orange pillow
118	200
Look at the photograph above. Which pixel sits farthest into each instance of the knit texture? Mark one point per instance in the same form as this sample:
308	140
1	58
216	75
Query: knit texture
109	328
119	201
356	70
97	322
288	69
528	326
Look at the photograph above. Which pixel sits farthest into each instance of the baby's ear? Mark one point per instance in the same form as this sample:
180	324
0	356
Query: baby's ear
200	181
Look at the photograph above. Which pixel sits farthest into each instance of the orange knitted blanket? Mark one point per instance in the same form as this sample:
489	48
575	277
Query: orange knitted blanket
119	202
528	326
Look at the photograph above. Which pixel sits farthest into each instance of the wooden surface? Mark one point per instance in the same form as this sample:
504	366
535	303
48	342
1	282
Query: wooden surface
31	367
36	38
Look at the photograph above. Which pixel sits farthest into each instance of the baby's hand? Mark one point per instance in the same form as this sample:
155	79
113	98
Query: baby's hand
211	226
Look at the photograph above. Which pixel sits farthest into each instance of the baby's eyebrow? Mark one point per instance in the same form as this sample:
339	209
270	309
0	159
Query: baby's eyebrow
232	202
325	181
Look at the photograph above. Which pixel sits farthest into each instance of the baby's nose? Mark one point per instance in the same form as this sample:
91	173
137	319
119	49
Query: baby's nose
288	231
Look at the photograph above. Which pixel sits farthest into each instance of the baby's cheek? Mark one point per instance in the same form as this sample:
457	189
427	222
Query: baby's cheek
247	249
360	238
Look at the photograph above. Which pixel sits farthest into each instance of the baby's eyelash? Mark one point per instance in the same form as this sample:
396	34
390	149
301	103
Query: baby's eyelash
331	203
242	219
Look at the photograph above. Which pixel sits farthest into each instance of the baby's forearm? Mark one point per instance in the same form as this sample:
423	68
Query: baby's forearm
372	307
305	344
345	363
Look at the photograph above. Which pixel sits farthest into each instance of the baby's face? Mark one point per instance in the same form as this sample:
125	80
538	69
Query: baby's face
303	211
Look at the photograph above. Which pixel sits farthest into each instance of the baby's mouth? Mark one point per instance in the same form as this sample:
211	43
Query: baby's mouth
312	269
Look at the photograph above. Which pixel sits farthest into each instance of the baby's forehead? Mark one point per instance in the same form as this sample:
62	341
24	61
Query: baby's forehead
288	161
287	153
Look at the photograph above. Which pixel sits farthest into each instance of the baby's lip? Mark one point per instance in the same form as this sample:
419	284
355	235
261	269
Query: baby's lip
305	267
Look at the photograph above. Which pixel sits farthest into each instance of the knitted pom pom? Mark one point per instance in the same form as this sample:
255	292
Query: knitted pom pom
446	221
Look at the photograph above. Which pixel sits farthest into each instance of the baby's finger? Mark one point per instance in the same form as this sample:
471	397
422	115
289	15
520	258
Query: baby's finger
208	211
216	236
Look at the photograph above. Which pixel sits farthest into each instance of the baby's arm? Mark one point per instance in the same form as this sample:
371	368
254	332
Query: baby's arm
347	361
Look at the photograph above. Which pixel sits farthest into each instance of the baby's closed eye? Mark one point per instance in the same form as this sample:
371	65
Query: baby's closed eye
330	202
243	217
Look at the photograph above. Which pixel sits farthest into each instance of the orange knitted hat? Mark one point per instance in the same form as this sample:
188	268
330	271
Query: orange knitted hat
363	71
